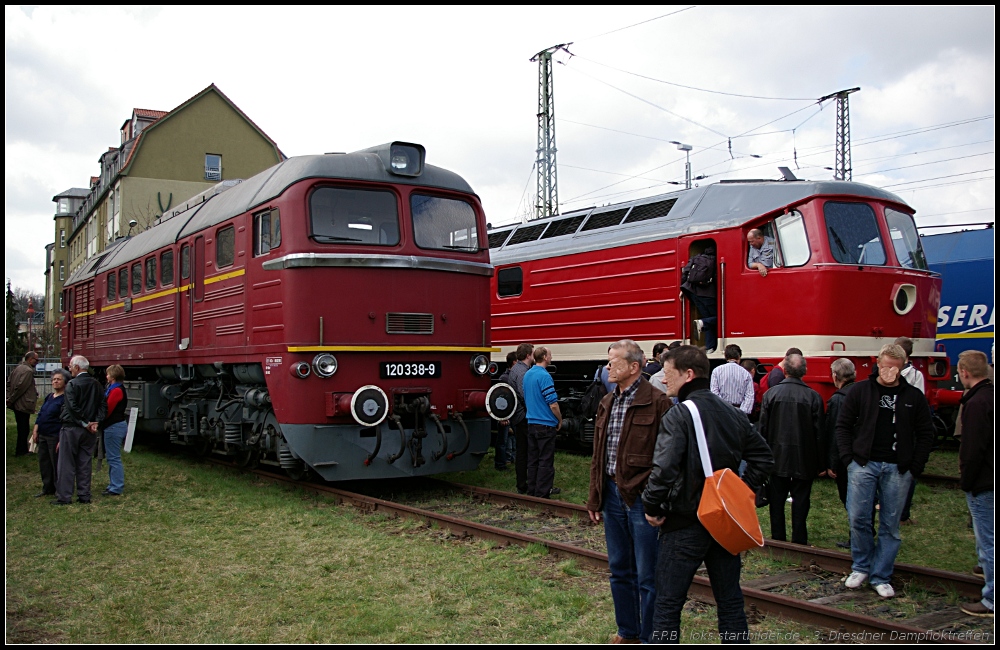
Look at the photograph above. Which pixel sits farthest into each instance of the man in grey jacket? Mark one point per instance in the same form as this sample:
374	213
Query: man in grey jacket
22	398
83	408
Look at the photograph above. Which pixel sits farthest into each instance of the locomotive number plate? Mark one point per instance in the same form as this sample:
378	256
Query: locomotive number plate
409	370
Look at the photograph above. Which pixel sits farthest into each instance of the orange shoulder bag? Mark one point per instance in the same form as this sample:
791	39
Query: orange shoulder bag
727	509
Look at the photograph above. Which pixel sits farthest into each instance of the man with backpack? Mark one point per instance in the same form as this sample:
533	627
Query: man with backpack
698	284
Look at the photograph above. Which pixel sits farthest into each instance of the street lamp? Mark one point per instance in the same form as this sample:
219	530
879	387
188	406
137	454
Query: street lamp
686	148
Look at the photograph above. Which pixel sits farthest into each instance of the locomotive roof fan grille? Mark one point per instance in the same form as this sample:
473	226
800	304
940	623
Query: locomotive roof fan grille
402	323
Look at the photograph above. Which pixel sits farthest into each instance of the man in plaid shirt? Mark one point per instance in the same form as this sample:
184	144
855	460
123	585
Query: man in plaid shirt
625	429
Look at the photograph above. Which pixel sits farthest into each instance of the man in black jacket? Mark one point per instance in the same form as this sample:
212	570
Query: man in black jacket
791	421
674	489
83	408
975	461
884	436
843	374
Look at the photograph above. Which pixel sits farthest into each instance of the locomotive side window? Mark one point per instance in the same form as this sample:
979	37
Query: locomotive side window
111	287
167	269
185	262
509	282
123	282
266	232
354	216
792	239
150	273
225	247
905	241
444	224
853	233
136	279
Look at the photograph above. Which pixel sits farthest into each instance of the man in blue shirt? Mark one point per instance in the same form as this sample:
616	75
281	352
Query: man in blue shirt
761	255
544	420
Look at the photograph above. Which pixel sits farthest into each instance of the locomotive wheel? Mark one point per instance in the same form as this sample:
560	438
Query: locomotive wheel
246	458
298	473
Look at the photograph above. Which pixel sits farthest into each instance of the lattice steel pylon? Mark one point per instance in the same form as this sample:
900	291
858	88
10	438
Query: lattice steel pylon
842	163
547	182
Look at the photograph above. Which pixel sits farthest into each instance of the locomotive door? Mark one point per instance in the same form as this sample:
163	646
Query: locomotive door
193	282
702	309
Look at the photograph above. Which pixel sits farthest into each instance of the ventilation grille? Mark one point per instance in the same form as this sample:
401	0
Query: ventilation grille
526	233
396	323
650	211
497	238
604	220
564	226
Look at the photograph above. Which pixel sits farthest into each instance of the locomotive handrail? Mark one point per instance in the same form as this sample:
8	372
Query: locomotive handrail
305	260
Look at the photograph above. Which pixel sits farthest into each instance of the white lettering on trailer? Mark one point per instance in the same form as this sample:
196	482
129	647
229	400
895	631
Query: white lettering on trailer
958	318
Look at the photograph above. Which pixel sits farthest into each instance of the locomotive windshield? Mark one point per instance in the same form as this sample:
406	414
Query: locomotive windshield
446	224
354	216
905	241
853	233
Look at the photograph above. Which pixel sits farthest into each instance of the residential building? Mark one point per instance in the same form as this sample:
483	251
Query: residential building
57	254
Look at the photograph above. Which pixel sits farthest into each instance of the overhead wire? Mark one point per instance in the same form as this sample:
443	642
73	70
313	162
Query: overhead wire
938	178
643	22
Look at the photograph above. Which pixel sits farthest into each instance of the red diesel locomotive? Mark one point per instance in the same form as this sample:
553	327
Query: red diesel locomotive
329	314
849	276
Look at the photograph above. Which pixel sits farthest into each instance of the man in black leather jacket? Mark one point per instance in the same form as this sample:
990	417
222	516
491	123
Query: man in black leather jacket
791	421
83	408
674	489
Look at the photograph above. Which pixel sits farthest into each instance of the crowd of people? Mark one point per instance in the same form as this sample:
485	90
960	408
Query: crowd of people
73	419
873	437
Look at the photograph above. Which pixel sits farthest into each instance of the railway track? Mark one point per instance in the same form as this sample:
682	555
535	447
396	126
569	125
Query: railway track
831	623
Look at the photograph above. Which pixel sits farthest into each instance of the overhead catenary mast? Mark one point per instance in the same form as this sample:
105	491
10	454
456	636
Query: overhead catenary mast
547	185
842	164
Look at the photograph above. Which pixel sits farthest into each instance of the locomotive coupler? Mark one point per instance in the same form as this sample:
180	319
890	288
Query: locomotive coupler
444	438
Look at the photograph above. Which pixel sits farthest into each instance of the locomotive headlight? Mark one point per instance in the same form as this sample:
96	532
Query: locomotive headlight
300	369
904	298
406	159
325	364
480	364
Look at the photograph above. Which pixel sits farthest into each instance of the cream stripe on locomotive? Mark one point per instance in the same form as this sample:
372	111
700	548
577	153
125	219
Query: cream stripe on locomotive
752	346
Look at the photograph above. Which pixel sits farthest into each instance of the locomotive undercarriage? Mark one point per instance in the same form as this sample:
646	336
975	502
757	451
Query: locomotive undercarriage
226	410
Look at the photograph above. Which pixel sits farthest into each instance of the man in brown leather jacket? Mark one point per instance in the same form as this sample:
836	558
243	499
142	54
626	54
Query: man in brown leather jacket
625	429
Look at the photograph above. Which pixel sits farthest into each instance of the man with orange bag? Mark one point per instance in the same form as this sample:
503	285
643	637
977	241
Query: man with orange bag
674	490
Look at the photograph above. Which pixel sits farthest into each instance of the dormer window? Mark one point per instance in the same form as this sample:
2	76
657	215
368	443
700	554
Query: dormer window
213	167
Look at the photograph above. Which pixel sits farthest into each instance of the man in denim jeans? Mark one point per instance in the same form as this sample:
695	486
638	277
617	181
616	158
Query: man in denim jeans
884	436
625	428
975	460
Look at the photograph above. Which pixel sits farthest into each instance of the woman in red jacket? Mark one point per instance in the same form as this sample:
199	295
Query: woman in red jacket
115	426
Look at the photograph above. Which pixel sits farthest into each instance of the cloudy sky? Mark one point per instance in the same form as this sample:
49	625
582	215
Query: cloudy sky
459	81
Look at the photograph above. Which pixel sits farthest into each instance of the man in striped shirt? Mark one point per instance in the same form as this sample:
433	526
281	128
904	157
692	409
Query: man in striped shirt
731	381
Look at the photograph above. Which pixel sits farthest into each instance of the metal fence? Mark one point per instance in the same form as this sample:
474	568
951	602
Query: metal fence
43	374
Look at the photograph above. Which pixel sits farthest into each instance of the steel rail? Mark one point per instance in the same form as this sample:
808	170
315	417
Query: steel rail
828	620
968	586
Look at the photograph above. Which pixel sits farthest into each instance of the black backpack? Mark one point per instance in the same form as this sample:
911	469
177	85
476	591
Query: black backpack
701	269
592	398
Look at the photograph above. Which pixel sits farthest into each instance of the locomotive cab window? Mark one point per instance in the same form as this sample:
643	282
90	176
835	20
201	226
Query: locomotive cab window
266	232
443	224
793	243
136	279
853	233
905	242
225	247
167	269
349	216
150	273
509	282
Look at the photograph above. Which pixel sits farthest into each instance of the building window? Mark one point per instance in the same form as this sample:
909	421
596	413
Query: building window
62	238
62	270
61	309
213	167
63	206
225	247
